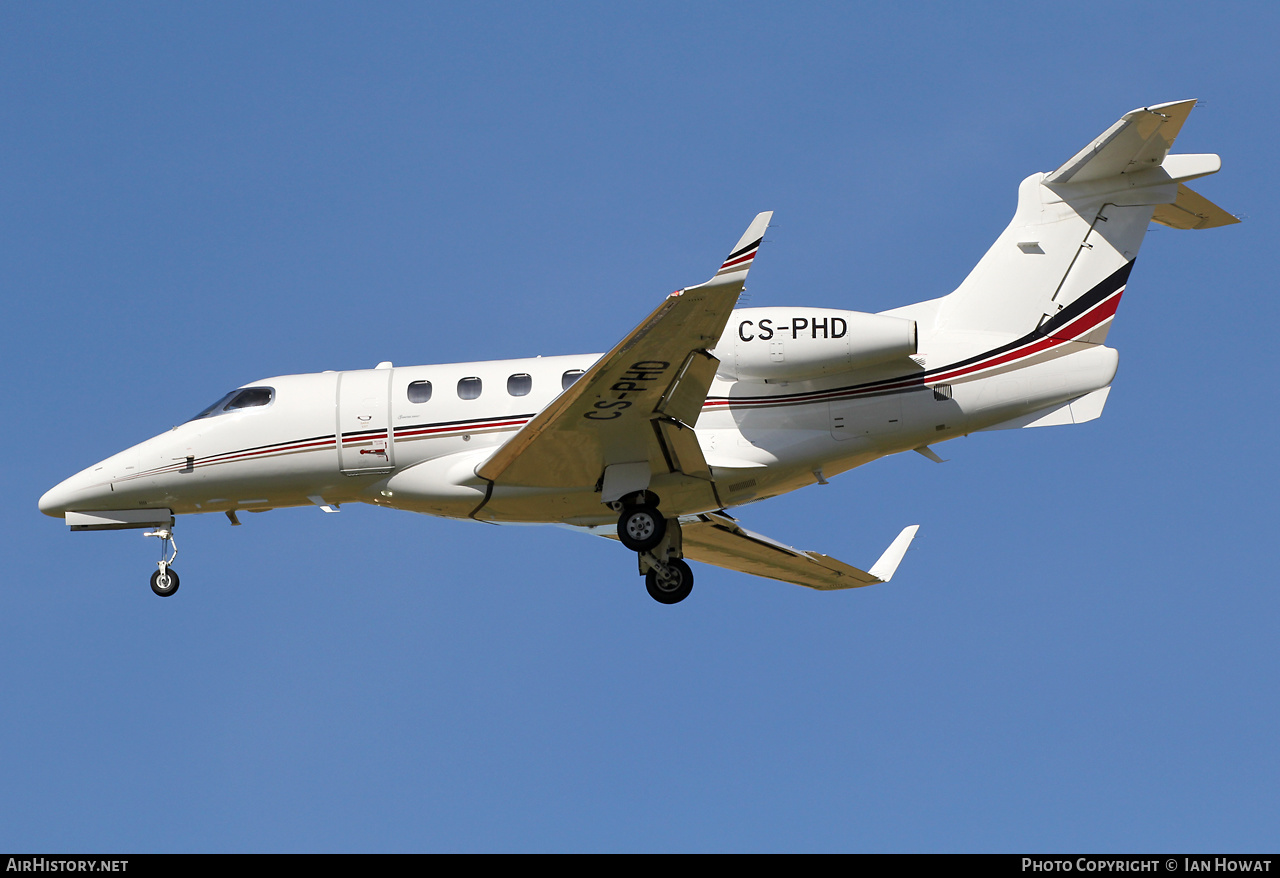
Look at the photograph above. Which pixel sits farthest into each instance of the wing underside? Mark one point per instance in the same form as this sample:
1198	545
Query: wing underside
717	539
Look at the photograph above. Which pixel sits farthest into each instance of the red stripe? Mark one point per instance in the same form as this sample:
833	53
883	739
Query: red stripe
1104	310
747	258
223	458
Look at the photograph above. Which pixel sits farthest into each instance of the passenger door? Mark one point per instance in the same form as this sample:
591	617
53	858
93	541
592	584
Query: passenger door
364	441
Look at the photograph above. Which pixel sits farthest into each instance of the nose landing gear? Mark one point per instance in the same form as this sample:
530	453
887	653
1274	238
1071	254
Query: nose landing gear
164	581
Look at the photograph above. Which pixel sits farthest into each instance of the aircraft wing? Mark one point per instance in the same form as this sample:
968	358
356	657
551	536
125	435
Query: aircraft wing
655	379
719	540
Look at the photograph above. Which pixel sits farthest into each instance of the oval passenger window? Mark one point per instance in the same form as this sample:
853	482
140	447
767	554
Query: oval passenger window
520	385
566	380
469	388
420	391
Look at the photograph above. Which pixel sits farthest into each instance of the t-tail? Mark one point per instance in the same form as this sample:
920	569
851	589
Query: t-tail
1060	267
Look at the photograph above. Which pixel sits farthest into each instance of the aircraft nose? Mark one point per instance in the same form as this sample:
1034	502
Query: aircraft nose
55	501
72	493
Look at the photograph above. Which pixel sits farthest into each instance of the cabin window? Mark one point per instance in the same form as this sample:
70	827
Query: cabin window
567	379
420	391
520	385
469	388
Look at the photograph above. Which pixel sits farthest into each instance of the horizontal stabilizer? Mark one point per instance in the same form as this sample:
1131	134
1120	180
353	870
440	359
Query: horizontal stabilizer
1140	140
1192	211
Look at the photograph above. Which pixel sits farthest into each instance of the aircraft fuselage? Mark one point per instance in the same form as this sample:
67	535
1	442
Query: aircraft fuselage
358	436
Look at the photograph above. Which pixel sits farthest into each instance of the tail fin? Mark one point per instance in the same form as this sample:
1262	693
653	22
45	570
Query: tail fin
1061	265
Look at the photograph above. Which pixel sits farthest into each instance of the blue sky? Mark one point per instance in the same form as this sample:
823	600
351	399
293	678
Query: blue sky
1078	653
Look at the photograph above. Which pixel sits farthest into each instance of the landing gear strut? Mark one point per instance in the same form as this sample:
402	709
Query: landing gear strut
655	539
164	581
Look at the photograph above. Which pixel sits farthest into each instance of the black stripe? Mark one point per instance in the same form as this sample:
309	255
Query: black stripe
376	431
435	425
1088	300
328	438
1066	315
229	456
736	253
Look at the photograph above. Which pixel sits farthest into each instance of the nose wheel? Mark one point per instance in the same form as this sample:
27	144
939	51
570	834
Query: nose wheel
164	582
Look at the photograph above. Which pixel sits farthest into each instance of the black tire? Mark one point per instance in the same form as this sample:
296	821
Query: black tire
674	586
162	589
641	528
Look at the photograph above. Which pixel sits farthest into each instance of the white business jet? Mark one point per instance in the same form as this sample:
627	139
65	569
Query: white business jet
701	407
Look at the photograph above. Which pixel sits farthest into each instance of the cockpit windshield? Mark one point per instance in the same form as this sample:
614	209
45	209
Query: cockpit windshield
241	398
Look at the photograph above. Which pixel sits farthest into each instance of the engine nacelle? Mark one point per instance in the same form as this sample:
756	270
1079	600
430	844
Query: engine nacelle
790	344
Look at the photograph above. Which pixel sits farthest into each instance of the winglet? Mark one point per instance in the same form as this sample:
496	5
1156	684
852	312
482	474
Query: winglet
884	569
739	262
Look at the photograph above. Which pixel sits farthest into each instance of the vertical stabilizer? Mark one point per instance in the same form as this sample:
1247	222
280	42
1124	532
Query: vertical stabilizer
1068	250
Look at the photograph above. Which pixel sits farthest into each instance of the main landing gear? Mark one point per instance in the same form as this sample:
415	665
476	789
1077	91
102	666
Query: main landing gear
641	527
656	541
670	583
164	581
